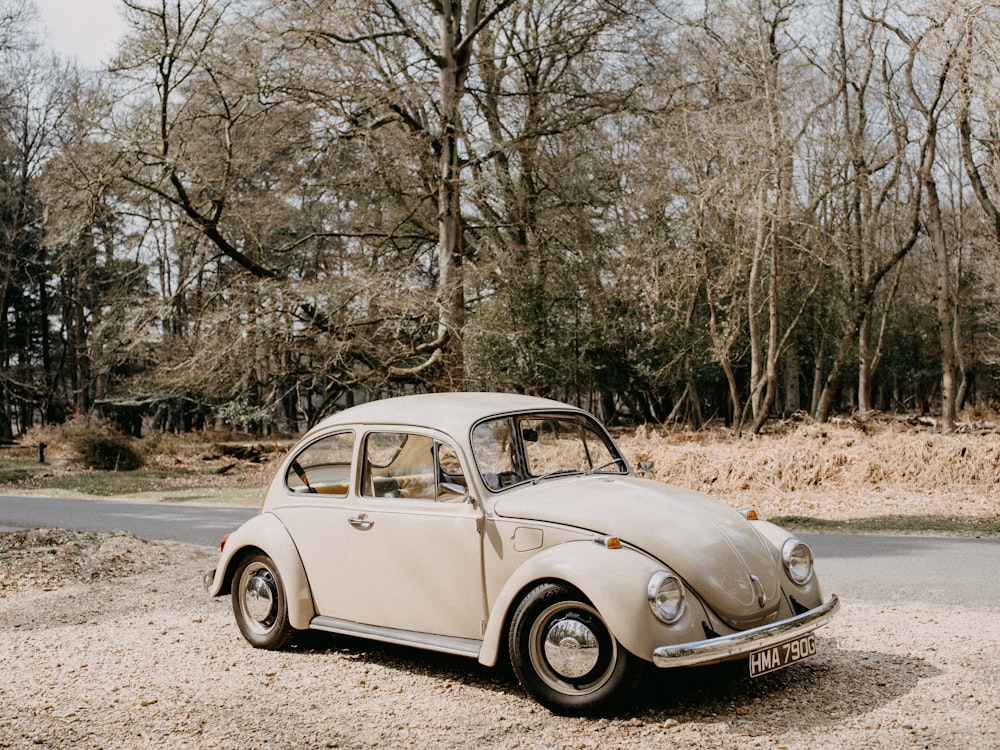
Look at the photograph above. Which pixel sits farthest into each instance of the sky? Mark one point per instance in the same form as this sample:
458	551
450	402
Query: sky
87	30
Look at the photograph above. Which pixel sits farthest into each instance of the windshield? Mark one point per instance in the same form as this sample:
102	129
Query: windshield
532	447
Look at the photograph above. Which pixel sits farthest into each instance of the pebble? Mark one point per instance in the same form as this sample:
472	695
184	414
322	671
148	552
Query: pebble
78	663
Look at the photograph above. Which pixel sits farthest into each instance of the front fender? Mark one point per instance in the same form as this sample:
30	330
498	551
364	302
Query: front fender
266	533
614	580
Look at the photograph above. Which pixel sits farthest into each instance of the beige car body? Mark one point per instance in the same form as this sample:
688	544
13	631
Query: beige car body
446	575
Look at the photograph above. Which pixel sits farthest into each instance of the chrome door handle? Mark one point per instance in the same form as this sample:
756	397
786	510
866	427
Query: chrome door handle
361	522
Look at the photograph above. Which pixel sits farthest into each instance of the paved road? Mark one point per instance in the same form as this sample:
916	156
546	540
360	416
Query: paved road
938	570
204	525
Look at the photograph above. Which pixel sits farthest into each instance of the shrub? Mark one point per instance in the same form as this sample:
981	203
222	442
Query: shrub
108	453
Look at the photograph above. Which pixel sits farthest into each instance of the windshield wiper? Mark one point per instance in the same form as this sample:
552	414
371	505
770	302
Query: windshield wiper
606	464
587	473
554	473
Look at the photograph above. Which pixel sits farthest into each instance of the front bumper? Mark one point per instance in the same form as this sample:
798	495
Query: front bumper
726	647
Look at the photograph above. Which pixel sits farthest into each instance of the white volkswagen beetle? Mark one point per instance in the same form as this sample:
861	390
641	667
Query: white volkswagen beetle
487	525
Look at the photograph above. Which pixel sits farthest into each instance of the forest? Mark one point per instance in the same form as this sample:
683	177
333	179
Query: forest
665	211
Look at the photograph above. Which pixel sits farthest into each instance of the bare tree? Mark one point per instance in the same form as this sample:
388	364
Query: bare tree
978	107
873	224
36	90
255	223
433	45
548	82
940	42
176	43
744	178
880	207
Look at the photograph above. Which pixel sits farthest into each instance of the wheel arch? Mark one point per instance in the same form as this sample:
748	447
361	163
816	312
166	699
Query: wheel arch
612	580
266	534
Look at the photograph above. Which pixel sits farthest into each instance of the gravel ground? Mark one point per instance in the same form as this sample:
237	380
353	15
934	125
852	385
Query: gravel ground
109	642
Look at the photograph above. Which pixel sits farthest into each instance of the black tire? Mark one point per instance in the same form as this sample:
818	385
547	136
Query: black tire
564	655
259	603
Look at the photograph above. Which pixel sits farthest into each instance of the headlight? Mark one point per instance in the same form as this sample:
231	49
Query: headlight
666	596
798	559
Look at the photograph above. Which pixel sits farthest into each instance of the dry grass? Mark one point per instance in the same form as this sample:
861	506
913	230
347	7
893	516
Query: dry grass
834	472
830	472
173	464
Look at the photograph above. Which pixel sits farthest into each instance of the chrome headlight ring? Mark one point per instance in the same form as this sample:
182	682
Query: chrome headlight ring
665	593
798	561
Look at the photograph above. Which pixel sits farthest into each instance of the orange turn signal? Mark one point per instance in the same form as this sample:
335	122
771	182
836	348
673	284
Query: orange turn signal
222	544
750	514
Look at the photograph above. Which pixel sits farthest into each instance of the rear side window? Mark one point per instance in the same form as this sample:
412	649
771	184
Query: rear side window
416	467
323	466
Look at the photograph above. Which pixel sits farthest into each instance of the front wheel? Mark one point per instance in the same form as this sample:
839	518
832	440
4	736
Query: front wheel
564	655
259	603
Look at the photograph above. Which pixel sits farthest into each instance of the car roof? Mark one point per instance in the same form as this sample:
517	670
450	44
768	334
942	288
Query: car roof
453	413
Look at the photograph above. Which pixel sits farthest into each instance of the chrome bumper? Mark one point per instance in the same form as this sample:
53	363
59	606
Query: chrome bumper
726	647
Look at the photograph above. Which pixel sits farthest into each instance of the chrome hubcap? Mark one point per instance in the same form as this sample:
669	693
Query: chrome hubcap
571	648
259	598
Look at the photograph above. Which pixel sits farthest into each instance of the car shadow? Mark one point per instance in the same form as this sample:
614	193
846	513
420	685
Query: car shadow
835	685
406	658
809	694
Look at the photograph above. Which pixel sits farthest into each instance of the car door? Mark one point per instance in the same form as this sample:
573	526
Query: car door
404	548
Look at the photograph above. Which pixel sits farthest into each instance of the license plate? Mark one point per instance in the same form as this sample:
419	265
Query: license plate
771	658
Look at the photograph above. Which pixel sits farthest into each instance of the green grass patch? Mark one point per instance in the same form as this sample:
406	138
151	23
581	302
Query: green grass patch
894	525
108	483
246	497
13	474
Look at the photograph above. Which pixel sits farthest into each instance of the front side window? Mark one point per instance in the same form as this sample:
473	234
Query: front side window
517	449
323	466
404	465
495	449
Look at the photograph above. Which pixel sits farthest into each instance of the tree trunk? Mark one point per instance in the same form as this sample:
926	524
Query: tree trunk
865	368
771	365
945	304
721	344
833	381
753	323
451	287
817	384
793	398
455	49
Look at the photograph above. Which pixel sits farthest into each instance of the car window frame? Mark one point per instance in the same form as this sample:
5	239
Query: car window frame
519	458
437	442
289	467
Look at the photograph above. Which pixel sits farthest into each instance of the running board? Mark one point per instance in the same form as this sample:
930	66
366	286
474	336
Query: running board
443	643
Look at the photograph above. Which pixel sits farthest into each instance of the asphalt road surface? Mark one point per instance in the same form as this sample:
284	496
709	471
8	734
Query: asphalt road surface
937	570
945	571
204	525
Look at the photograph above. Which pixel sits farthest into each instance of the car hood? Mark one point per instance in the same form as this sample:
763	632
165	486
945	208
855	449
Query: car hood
713	548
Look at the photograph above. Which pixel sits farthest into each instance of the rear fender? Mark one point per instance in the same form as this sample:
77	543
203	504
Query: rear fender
265	533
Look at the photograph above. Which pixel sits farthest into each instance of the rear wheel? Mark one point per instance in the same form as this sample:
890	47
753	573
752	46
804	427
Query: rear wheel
564	655
259	603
